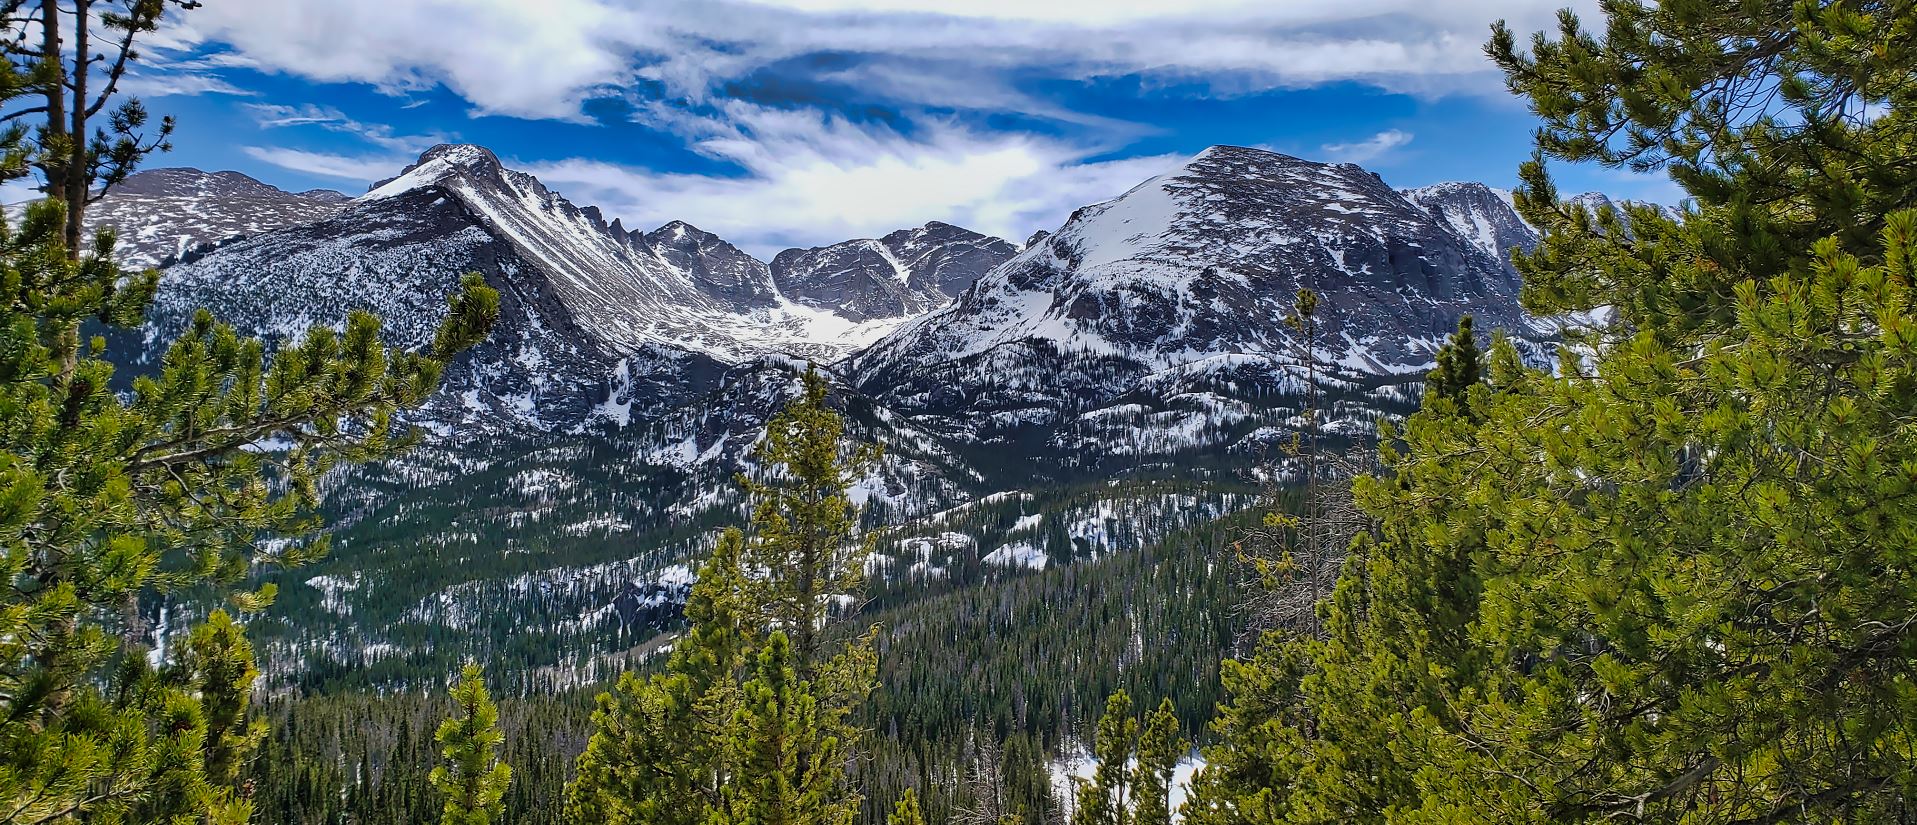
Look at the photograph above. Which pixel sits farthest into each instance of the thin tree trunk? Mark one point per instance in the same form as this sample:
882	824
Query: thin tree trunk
76	189
56	92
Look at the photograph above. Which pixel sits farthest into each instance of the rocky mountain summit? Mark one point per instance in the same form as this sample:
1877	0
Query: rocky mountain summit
1479	214
600	324
164	215
1185	283
905	273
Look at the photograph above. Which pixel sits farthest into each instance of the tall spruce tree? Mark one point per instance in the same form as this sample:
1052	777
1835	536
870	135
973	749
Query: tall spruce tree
660	751
470	775
907	811
744	725
1668	580
1106	798
802	519
1160	747
1133	765
1460	367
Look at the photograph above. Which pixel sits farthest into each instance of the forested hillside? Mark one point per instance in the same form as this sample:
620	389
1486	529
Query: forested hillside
1264	492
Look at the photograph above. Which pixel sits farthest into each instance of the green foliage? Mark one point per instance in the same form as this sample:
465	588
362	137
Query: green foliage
978	687
1669	580
190	481
215	663
365	757
108	499
63	66
791	760
907	812
661	748
1161	745
744	725
802	518
1786	121
1106	798
471	776
1133	766
1460	367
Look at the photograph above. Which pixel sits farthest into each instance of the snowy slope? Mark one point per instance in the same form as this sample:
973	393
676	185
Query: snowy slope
903	274
620	288
601	325
1184	283
544	368
1479	214
1206	260
1143	340
162	215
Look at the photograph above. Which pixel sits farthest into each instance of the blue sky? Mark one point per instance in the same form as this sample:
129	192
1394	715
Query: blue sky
804	122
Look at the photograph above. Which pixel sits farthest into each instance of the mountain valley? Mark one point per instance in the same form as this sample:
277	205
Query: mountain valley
1032	400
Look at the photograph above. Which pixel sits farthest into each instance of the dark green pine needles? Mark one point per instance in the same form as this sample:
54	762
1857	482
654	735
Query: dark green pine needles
1671	578
470	775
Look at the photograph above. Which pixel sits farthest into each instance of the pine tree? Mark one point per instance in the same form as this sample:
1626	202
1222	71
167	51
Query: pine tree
471	776
110	498
1460	367
907	811
70	61
1160	747
791	768
745	725
802	518
218	663
1294	555
1106	798
1667	580
661	747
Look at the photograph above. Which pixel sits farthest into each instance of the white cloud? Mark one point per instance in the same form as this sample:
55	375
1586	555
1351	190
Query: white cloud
323	164
1369	149
542	60
273	116
804	177
171	82
504	56
810	179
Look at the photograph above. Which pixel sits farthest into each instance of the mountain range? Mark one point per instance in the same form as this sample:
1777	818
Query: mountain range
1101	384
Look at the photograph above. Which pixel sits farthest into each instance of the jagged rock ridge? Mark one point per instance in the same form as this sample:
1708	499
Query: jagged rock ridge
164	215
1187	280
601	325
903	274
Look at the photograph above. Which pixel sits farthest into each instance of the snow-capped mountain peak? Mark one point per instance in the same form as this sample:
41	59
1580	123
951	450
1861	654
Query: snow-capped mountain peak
902	274
1185	281
164	215
1478	213
434	166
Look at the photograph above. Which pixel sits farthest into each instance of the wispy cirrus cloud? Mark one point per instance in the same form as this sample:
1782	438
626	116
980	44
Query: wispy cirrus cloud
274	116
971	128
1368	150
326	164
544	60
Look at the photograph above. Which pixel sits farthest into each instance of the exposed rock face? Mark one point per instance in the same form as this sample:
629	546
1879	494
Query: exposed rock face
1479	214
164	215
719	268
600	325
1199	264
905	273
